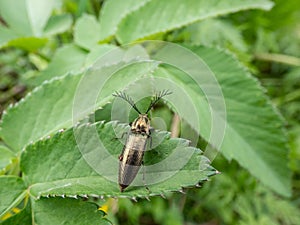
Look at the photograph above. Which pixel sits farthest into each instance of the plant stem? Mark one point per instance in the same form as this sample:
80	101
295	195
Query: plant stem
280	58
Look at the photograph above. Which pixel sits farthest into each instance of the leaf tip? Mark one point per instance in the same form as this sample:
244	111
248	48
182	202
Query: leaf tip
162	195
134	199
198	185
181	191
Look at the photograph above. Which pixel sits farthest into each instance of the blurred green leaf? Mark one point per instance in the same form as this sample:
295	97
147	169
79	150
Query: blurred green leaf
87	32
29	22
58	24
67	59
254	133
28	43
28	17
71	59
6	35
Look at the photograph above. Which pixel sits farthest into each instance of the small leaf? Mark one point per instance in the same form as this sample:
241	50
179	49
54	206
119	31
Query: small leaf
28	43
87	32
58	24
160	16
12	192
28	23
28	17
67	59
84	161
71	59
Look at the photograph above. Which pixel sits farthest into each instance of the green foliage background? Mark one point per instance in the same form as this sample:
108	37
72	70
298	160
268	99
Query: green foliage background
54	41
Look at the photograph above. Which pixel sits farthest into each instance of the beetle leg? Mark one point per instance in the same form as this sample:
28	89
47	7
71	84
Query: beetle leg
121	157
122	136
150	142
144	178
151	129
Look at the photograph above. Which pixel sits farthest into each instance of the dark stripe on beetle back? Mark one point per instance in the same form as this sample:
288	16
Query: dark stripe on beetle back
135	158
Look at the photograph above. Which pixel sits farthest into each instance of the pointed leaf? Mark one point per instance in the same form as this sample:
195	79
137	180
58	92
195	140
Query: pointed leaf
84	161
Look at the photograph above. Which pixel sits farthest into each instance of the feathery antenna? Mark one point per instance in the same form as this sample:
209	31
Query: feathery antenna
157	97
127	98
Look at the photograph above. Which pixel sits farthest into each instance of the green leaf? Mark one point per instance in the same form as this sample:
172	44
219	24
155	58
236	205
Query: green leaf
12	192
6	157
28	43
160	16
86	164
6	35
58	24
254	133
28	23
71	59
50	107
216	32
28	17
31	117
19	218
67	59
113	12
66	211
87	31
96	52
57	211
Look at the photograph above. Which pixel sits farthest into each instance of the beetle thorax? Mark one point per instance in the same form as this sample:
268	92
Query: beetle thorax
141	125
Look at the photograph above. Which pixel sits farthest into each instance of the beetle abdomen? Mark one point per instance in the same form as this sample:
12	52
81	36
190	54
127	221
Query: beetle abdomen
131	158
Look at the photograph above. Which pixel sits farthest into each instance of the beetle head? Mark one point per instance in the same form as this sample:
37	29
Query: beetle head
141	125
